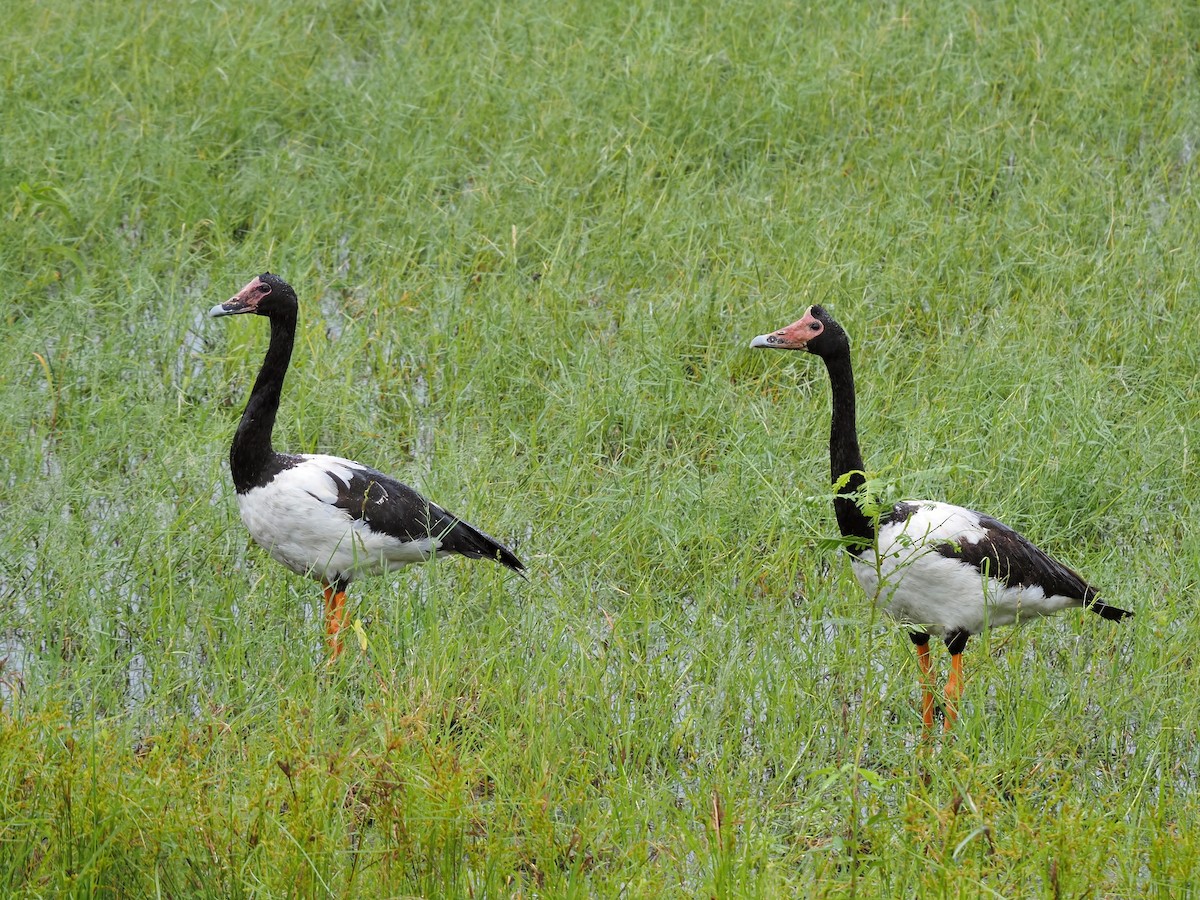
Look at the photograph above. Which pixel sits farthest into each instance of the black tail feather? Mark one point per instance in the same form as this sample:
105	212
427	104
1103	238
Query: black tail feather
467	540
1112	613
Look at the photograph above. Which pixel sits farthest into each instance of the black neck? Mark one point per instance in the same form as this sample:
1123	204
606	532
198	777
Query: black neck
844	455
252	453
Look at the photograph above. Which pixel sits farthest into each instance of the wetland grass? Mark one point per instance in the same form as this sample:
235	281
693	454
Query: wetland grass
533	244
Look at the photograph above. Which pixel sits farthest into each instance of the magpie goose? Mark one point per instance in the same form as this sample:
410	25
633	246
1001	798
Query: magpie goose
936	568
325	517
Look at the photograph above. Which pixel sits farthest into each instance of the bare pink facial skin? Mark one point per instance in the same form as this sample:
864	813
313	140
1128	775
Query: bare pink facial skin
244	301
794	337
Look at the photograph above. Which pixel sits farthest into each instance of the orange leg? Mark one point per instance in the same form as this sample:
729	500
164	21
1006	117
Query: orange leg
926	663
954	689
335	618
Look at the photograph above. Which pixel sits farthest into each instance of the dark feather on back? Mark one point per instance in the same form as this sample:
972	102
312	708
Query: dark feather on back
393	508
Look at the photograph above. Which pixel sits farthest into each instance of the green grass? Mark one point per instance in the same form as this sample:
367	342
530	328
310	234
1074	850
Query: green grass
531	245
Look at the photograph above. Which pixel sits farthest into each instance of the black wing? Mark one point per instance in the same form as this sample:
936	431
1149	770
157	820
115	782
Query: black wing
1007	555
391	507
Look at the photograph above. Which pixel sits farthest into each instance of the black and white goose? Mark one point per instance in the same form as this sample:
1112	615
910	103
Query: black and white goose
946	570
325	517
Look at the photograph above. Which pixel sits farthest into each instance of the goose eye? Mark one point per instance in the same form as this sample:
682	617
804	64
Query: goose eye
264	288
815	326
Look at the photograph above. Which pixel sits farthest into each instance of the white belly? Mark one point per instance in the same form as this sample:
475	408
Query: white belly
319	540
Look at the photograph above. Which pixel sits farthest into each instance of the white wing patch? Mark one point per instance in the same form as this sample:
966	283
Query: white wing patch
918	586
294	519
